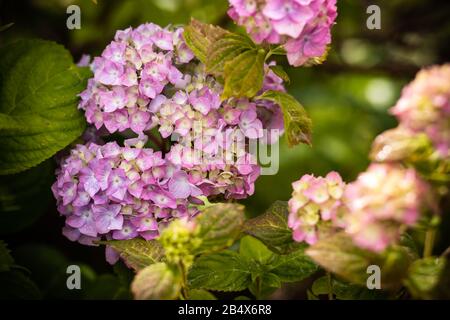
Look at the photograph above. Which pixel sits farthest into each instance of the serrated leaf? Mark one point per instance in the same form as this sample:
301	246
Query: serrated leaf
225	49
279	71
200	36
297	123
6	261
339	255
272	228
244	74
424	276
137	253
253	249
224	271
200	294
220	225
156	282
39	84
295	266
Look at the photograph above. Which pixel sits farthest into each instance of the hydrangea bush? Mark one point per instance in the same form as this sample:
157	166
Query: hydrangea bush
187	117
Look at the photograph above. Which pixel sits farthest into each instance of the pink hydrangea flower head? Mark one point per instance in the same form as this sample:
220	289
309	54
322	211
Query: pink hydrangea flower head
380	201
303	27
425	106
314	199
132	71
103	191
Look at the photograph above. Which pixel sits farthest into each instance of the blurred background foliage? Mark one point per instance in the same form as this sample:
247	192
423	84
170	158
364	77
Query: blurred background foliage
347	98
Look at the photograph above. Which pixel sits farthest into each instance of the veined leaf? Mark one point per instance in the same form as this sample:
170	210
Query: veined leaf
279	71
297	123
225	49
200	36
138	253
295	266
424	276
272	228
39	84
244	74
220	225
224	271
339	255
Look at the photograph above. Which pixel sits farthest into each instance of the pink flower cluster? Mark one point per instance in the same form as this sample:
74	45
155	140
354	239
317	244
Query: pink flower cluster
380	202
425	107
120	192
373	210
314	200
138	85
303	27
132	71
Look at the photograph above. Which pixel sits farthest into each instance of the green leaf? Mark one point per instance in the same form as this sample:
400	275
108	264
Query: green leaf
339	255
296	121
220	225
156	282
265	285
6	261
24	197
272	228
295	266
200	36
224	271
138	253
253	249
106	287
424	276
244	74
225	49
279	71
346	291
39	84
200	294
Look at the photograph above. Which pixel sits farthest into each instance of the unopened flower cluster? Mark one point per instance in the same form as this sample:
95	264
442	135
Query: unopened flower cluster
314	199
147	78
180	239
303	27
424	107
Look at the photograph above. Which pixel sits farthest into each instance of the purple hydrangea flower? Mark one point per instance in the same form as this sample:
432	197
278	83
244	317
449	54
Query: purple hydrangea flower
303	27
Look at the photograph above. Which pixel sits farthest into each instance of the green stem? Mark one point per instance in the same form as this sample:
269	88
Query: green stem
330	286
184	287
258	288
430	235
